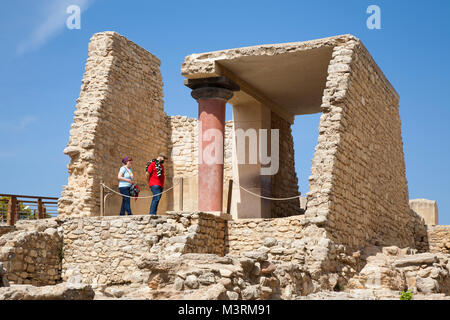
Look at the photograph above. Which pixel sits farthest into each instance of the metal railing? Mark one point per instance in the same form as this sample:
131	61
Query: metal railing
14	207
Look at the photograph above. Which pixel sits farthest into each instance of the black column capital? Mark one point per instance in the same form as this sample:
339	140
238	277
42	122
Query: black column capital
212	88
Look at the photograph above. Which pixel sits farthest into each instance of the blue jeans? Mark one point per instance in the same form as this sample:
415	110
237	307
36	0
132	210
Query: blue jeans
154	207
125	201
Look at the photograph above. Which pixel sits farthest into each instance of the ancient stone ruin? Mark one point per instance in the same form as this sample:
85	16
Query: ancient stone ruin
357	237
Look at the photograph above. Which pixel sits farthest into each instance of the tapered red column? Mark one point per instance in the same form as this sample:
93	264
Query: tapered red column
212	95
211	116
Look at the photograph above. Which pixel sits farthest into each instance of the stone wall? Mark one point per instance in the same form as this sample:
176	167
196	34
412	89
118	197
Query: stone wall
201	256
116	251
425	208
420	232
33	255
5	229
149	250
439	238
358	181
119	113
358	192
107	250
284	184
400	269
183	145
278	236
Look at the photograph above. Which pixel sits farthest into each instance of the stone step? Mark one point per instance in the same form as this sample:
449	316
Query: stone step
417	259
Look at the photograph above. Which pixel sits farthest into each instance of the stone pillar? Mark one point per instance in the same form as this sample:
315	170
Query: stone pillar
248	119
427	209
212	95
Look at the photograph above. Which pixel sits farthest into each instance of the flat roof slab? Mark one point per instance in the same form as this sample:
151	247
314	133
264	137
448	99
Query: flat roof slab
288	77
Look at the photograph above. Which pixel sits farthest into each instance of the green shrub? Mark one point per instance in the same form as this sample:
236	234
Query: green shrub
406	295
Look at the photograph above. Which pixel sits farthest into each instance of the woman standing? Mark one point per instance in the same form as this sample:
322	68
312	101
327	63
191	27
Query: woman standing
125	181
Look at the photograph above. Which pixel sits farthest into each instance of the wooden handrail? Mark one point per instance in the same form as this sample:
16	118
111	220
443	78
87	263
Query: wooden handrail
44	202
28	197
13	205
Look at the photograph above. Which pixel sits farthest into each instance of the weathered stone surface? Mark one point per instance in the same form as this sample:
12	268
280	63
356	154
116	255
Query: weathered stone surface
364	294
250	293
427	209
346	103
418	259
232	295
33	253
3	277
438	238
427	285
128	78
178	284
215	292
270	242
118	256
257	255
392	268
5	229
267	267
63	291
357	184
191	282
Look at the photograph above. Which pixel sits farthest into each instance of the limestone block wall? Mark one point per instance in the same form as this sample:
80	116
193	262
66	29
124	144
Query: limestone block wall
300	240
5	229
358	182
183	158
285	183
358	189
439	238
32	256
420	232
427	209
119	113
183	145
278	236
108	250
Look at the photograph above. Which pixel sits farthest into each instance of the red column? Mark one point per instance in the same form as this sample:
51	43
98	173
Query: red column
212	95
211	116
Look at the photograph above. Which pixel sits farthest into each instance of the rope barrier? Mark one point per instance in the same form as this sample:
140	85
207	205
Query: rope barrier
104	185
254	194
268	198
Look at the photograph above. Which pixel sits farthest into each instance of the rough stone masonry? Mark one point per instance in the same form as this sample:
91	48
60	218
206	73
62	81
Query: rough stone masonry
120	112
357	186
358	194
202	256
358	190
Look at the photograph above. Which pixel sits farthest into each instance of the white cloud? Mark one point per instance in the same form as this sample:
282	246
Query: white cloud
52	23
24	122
21	125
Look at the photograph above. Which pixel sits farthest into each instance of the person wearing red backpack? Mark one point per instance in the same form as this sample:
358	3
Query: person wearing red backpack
155	176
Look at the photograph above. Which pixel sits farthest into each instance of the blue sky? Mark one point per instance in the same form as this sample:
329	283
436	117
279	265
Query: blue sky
42	64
